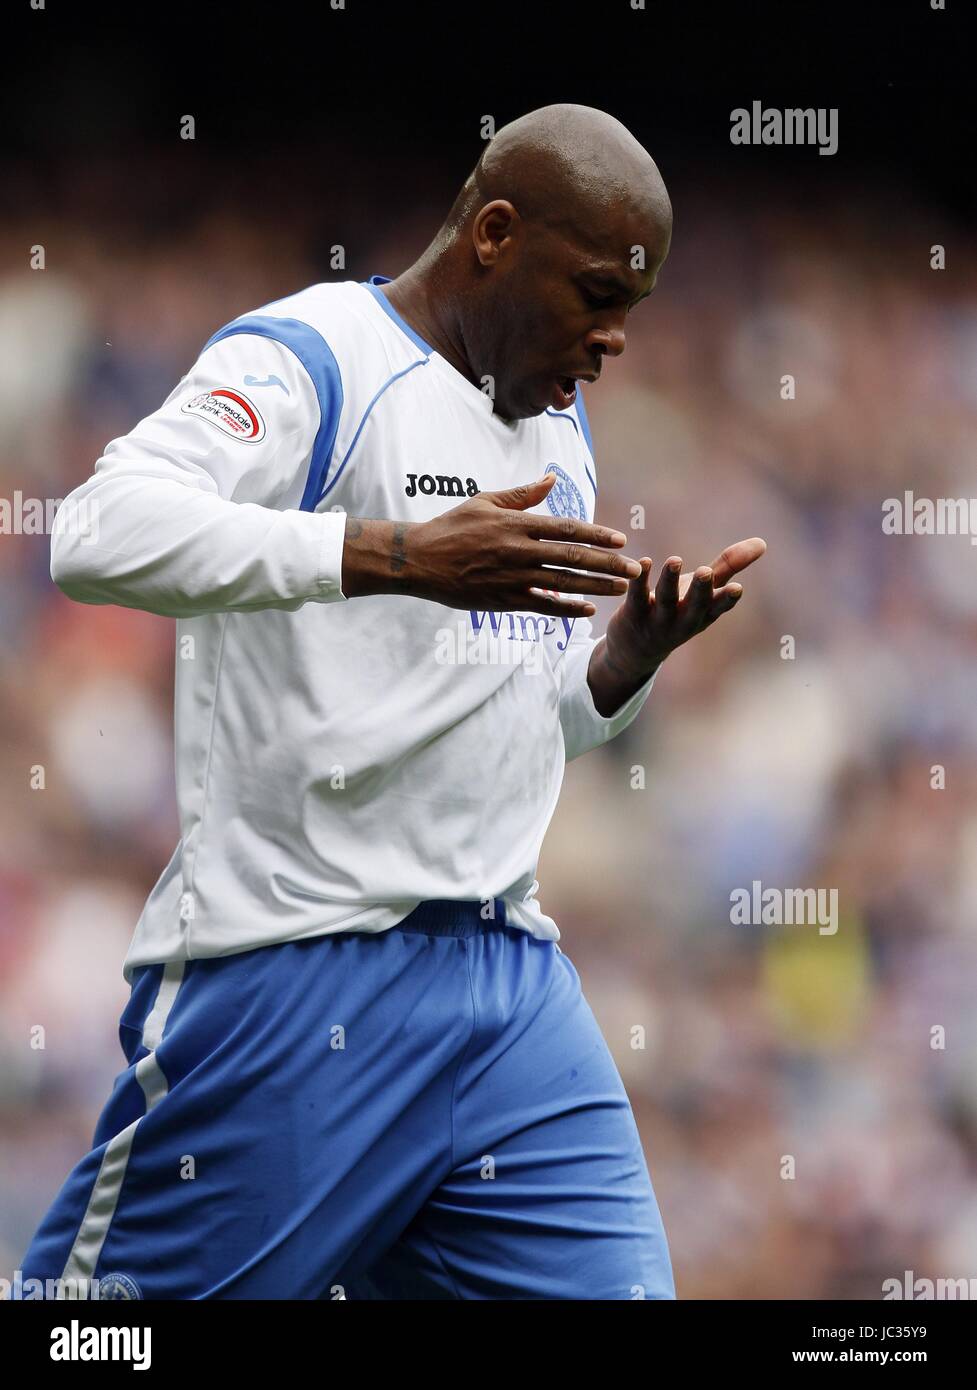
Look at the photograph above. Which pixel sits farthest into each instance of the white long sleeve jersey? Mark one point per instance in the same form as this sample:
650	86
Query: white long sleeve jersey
337	761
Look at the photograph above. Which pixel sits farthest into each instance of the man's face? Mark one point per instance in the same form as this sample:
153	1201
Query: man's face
556	304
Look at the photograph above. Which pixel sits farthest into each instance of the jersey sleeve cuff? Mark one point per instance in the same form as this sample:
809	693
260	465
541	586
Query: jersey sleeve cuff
584	727
329	580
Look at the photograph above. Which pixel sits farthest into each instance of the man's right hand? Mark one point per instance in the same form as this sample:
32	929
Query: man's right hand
489	553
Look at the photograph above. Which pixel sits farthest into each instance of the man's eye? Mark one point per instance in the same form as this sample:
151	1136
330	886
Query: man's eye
598	301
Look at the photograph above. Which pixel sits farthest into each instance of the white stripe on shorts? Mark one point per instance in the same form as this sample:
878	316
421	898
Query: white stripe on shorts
87	1248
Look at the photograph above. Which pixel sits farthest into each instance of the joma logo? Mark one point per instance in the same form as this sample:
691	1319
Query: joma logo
439	485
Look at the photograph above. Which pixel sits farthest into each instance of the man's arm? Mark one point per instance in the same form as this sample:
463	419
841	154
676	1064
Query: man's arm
201	509
183	518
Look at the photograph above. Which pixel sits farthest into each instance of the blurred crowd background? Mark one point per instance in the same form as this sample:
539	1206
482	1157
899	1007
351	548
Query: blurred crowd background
759	1043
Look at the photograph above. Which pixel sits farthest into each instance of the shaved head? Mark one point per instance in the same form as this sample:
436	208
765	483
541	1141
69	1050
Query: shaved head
556	234
565	166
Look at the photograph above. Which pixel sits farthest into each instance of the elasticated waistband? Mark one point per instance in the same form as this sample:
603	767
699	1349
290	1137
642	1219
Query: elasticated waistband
443	917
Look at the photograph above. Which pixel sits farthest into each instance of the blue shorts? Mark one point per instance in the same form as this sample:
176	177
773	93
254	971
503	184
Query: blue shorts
426	1112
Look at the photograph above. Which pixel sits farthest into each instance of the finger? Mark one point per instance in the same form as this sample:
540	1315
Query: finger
585	557
666	590
568	528
538	601
725	599
571	581
699	598
736	558
640	596
526	495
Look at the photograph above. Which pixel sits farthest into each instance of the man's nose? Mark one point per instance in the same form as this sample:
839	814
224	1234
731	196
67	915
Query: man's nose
606	340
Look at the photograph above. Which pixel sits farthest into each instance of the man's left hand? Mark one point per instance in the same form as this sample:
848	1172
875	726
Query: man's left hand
650	624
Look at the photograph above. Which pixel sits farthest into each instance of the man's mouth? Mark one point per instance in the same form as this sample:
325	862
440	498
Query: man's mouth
565	389
564	392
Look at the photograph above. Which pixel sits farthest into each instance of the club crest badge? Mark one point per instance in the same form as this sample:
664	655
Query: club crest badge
117	1286
564	497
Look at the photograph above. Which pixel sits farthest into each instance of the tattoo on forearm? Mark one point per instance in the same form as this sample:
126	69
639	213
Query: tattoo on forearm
398	555
354	528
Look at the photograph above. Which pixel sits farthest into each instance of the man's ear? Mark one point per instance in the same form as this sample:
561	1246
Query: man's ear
493	225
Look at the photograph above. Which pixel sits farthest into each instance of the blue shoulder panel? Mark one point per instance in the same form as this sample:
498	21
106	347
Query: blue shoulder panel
316	356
